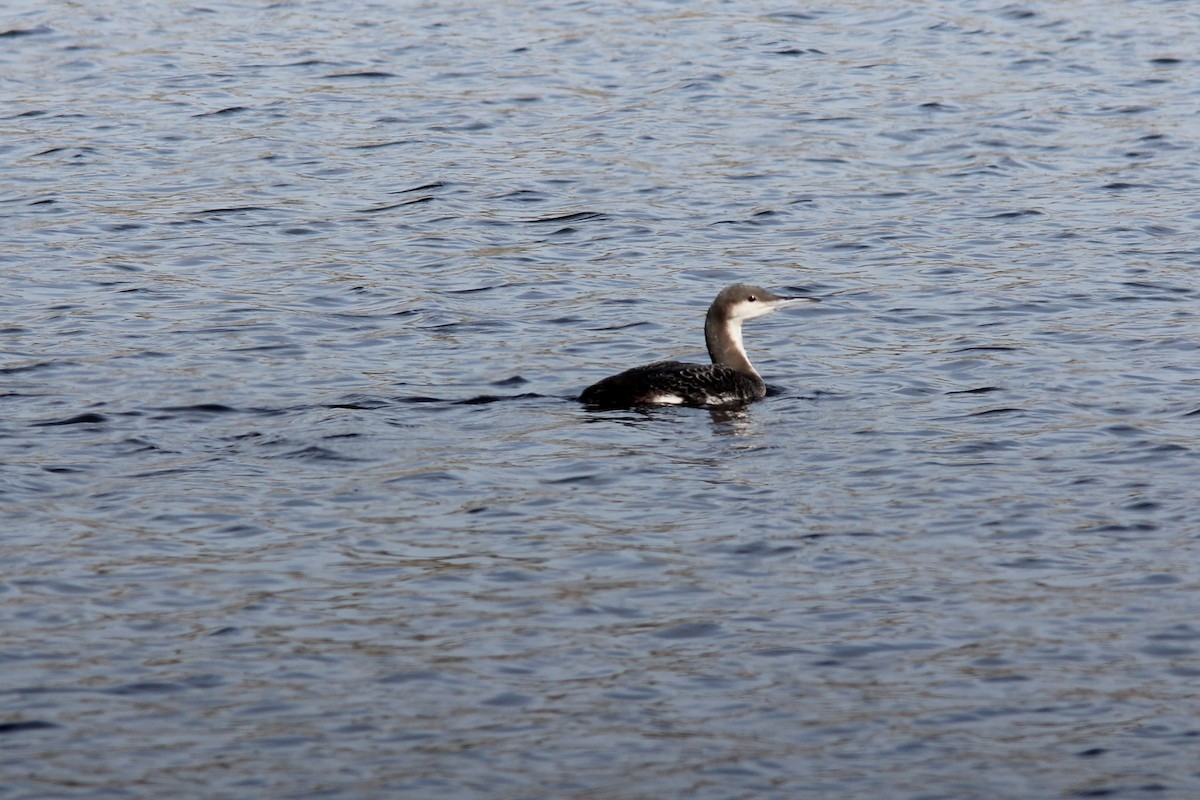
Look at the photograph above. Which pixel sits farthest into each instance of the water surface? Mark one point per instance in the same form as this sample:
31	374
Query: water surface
297	501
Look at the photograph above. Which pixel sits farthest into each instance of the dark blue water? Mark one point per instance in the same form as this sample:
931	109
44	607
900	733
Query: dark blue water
296	500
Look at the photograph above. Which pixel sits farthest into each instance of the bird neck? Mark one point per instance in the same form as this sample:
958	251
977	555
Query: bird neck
724	340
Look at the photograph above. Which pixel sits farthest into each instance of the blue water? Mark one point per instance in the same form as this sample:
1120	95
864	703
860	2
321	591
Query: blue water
296	499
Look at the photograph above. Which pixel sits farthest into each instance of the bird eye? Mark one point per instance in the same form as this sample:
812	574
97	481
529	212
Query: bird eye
751	298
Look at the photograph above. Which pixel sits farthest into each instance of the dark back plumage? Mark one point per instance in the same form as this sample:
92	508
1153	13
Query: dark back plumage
692	384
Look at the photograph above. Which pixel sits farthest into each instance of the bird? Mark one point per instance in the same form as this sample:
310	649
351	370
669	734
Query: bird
729	380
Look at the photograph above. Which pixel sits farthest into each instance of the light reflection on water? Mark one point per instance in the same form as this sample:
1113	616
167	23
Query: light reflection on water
297	500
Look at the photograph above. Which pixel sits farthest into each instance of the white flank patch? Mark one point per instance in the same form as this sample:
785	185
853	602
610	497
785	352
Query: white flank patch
665	399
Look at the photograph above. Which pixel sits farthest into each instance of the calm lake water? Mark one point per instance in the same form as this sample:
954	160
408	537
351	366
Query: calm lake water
295	299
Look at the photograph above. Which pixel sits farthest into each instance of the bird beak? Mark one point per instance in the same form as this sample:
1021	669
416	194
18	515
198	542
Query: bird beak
784	302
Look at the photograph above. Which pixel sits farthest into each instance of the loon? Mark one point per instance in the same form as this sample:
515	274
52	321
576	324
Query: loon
730	378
